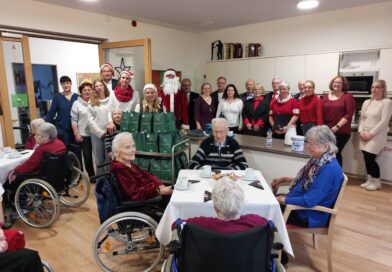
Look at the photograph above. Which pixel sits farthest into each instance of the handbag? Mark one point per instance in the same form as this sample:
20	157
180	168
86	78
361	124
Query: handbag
151	142
146	122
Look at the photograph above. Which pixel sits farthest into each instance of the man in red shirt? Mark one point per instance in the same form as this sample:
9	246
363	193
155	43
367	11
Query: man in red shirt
174	99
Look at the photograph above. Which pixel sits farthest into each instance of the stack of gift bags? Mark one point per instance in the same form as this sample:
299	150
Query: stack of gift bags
157	133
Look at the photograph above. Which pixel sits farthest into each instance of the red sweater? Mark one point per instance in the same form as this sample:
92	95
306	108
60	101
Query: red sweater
245	222
136	183
30	142
334	110
311	109
291	107
180	105
34	162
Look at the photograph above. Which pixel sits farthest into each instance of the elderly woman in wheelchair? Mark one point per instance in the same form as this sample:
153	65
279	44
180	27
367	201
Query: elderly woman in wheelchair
130	202
229	242
37	186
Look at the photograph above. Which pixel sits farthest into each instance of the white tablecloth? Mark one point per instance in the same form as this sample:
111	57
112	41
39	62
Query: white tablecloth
190	203
6	165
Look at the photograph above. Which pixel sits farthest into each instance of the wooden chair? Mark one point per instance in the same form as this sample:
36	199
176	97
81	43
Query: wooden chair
329	230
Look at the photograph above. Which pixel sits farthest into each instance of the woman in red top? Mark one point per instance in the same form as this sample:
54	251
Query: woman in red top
310	107
30	142
136	184
338	110
255	113
284	111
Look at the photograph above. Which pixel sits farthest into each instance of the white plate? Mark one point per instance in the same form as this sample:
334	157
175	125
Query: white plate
14	156
252	179
203	176
182	188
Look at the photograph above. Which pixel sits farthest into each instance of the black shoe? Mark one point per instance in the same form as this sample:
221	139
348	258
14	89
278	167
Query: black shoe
284	259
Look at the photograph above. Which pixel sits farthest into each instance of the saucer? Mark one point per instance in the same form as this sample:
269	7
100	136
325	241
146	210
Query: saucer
250	179
182	188
204	176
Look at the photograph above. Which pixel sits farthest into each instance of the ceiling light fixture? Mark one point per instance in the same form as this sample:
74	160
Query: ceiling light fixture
308	4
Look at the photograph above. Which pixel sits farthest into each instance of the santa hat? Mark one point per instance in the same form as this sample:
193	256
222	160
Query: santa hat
149	86
129	73
107	65
170	71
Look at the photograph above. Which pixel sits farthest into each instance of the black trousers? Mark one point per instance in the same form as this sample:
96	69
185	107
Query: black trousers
87	150
25	260
341	141
372	167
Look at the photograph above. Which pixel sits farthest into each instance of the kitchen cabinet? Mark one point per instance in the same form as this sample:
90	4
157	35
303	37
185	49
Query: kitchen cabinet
321	68
386	68
291	70
262	71
237	73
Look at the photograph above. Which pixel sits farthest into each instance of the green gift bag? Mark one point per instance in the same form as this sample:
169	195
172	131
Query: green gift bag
140	141
178	137
151	142
124	121
184	160
144	163
160	124
155	167
171	122
166	169
133	121
165	142
146	122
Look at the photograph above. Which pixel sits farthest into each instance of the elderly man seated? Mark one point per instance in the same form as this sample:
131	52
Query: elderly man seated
136	184
46	139
228	199
219	150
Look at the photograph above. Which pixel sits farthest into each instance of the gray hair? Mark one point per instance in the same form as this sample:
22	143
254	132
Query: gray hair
228	198
284	85
223	121
37	122
117	139
323	135
47	129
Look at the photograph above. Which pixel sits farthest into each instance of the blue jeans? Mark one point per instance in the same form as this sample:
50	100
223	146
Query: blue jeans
99	153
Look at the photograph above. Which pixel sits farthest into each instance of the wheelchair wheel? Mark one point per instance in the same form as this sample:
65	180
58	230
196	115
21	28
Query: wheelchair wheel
37	203
77	191
127	242
73	161
47	267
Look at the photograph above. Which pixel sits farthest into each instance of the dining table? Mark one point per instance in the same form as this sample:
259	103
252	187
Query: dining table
190	202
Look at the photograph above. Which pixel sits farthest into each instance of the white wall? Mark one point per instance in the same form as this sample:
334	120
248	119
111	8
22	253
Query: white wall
170	48
356	28
69	57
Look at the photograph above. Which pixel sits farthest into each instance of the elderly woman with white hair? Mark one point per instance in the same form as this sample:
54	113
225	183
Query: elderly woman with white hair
228	200
317	183
219	151
46	138
136	184
151	101
30	142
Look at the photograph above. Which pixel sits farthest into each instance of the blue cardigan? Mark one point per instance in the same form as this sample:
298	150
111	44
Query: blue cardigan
323	192
62	107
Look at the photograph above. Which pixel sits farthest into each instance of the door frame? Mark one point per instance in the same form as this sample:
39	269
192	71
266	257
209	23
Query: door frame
146	43
8	132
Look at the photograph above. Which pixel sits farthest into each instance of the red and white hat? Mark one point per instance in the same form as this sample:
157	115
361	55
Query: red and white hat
107	65
170	71
127	72
150	86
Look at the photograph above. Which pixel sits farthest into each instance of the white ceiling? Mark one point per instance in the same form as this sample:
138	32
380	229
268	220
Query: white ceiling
204	15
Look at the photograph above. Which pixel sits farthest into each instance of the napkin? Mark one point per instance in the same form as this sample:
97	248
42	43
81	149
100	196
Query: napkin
207	196
257	184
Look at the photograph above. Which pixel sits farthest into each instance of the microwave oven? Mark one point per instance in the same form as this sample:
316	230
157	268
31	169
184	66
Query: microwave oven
360	82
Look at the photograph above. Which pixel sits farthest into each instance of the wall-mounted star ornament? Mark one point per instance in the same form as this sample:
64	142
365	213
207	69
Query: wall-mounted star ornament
122	66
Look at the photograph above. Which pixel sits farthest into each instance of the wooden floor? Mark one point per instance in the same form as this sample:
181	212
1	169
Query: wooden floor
363	238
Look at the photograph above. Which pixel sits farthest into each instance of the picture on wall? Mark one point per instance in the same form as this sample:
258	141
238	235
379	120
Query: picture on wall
19	77
90	77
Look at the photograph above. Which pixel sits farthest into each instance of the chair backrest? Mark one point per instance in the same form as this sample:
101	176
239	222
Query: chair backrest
205	250
340	195
54	170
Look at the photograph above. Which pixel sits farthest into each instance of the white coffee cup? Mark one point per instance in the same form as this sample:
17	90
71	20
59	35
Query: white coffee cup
7	149
249	174
230	133
206	170
183	183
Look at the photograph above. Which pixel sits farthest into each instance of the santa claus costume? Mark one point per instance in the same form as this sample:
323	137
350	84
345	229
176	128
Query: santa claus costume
174	99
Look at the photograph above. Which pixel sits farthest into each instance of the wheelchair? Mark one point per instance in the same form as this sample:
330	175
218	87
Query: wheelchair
38	196
126	239
198	249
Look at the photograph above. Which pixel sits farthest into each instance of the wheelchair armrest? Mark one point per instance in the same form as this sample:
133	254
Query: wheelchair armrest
132	203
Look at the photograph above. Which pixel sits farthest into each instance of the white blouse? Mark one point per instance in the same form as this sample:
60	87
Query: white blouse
79	116
123	106
232	112
98	117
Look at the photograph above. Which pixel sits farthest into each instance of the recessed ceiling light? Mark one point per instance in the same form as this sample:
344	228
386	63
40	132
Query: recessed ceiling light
308	4
89	1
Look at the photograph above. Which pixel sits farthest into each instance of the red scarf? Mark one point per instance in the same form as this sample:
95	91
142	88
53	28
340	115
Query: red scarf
123	95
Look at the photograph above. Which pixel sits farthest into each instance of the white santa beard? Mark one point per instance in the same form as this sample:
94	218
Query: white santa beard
171	85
